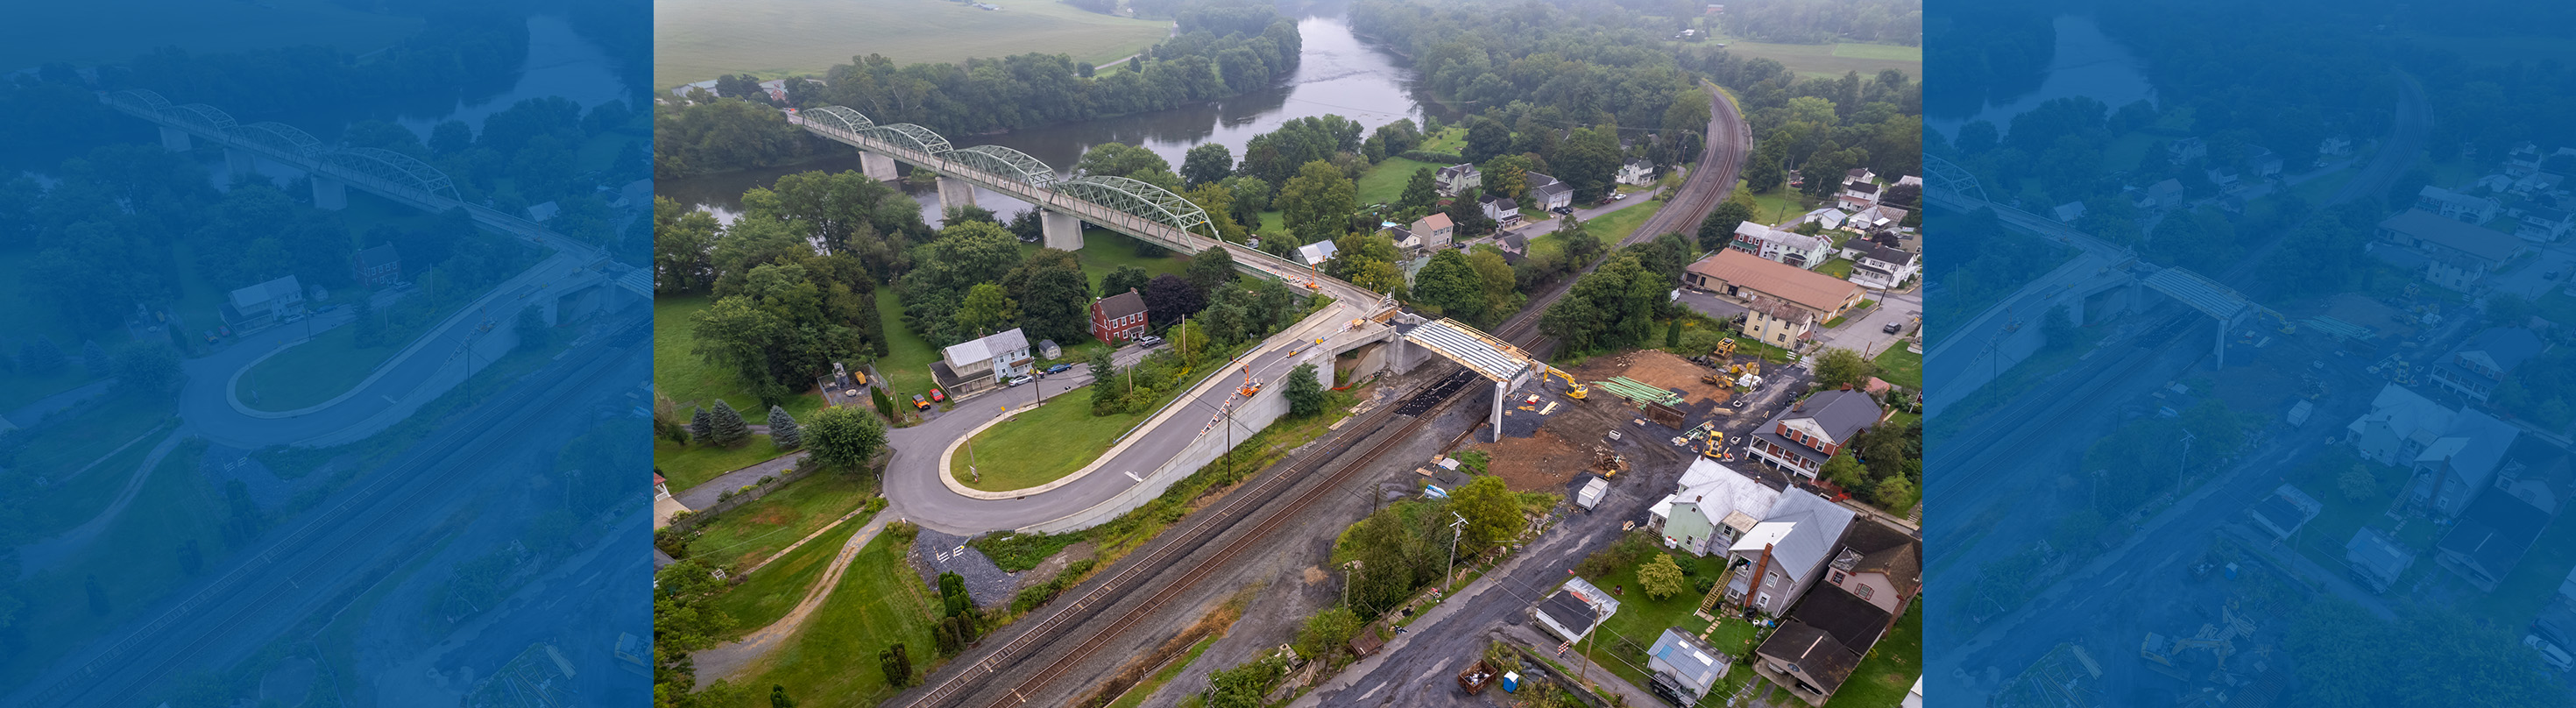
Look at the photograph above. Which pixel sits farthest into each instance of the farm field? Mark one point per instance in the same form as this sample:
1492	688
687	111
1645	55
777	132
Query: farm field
696	40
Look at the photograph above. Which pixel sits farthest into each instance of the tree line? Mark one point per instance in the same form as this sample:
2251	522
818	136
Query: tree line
1826	21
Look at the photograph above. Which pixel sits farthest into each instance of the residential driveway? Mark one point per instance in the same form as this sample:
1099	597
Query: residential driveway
2529	279
1709	304
1867	333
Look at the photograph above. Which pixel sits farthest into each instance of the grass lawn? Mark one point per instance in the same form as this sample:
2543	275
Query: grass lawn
1612	227
754	532
1775	206
832	662
908	358
1642	618
1901	367
678	371
696	40
1839	267
770	593
1104	250
1452	140
1145	689
1385	182
1042	444
690	466
133	558
306	374
1833	60
1888	673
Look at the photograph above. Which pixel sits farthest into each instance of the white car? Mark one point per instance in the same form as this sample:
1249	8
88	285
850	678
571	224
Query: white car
2550	654
1021	379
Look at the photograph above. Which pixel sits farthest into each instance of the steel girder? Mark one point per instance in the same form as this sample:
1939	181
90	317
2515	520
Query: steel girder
1942	176
1136	198
143	100
1006	162
397	168
280	137
204	117
911	136
837	118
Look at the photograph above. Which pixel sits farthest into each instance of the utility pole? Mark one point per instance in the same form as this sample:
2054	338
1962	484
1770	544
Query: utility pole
1451	581
2183	462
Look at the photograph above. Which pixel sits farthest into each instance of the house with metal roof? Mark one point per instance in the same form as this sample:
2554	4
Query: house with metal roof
264	304
2376	559
1574	609
979	364
2399	425
2490	538
1314	254
1801	438
1461	178
1684	667
1787	550
2448	474
2481	364
1711	507
1821	643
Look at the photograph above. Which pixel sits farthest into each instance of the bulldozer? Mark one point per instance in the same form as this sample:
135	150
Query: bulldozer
1725	349
1721	382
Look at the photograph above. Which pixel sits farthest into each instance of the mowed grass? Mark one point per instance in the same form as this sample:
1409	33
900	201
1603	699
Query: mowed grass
696	40
199	28
832	662
134	558
1384	183
692	465
312	372
748	535
1041	445
770	593
678	371
906	364
1888	673
1901	367
1642	618
1104	250
1834	60
1612	227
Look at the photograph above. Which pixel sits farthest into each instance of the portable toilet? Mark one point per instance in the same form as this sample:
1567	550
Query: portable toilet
1511	681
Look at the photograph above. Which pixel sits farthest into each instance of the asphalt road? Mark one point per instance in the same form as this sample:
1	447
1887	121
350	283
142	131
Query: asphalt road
917	494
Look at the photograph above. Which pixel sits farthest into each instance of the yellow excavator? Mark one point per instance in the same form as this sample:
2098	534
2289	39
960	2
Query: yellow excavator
1573	389
1725	349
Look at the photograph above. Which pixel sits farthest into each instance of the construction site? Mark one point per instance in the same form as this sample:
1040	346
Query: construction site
1550	438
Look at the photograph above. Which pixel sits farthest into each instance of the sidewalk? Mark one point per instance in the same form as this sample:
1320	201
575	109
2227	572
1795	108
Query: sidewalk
705	494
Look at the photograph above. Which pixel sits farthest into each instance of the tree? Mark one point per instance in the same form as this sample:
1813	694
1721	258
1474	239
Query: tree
725	427
1367	260
1123	279
1132	162
1839	368
1421	193
1846	471
94	358
1168	299
885	403
40	356
1212	270
701	424
1486	138
1661	577
1327	632
1492	512
1673	334
149	367
190	560
1506	176
1305	393
98	604
778	697
1449	284
1053	294
368	330
844	439
1718	230
1209	162
1108	395
783	431
1317	203
531	329
2357	484
896	665
987	310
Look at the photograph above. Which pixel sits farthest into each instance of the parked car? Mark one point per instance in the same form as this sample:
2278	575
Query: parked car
1149	341
1563	210
1893	327
1021	379
1059	368
919	404
935	395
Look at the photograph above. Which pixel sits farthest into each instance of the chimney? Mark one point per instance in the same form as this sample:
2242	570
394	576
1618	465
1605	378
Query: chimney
1753	587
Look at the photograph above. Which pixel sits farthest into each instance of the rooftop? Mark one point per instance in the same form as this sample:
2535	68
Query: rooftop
1807	288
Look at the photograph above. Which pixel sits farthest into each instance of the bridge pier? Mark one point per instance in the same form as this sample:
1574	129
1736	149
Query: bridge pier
240	161
1495	422
174	139
1063	231
330	193
954	193
876	167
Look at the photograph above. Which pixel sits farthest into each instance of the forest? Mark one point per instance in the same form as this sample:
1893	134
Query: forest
1826	21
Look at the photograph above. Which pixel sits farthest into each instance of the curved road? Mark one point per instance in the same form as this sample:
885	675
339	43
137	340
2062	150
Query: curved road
913	484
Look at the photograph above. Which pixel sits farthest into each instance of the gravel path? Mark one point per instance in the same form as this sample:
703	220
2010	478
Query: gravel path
934	553
730	660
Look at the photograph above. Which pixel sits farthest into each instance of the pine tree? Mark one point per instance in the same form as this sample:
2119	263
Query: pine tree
94	358
897	666
701	425
725	427
783	431
778	697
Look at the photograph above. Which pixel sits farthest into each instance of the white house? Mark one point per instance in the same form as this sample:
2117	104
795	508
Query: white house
1637	172
1501	210
264	304
2454	205
1711	507
1461	178
1828	217
1574	609
1881	267
993	359
1780	246
1548	193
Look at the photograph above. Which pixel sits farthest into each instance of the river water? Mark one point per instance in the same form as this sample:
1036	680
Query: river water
2086	63
1336	73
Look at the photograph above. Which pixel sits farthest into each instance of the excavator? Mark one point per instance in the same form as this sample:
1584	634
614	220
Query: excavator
1573	389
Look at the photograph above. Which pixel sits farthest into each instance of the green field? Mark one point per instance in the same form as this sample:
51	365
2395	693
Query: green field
133	558
200	28
1041	445
678	371
692	465
767	596
1385	182
1834	60
696	40
1901	367
306	374
752	533
1612	227
831	663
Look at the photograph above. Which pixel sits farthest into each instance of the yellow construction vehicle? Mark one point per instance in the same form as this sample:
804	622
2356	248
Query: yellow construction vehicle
1725	348
1573	389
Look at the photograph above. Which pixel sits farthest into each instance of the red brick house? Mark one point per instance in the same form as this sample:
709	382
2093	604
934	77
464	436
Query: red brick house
1118	317
377	267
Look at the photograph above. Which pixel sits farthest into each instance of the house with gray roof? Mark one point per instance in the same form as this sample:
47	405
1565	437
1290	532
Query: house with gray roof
978	364
1787	550
1800	438
1711	508
1684	667
1461	178
1574	609
2376	559
2400	424
2481	364
1549	193
1821	643
2449	473
2491	537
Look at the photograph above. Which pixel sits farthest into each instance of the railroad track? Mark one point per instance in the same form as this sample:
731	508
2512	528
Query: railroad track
126	669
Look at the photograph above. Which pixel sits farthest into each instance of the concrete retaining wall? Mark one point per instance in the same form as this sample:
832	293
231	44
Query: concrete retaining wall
1250	417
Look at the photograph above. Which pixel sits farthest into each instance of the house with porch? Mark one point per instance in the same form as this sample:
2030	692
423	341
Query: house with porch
1821	643
978	365
1856	196
1548	193
1637	172
2376	559
1880	267
1787	550
2479	365
1711	508
1801	438
2450	472
2457	206
263	305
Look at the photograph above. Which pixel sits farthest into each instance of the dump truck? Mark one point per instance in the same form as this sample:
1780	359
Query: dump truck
1475	678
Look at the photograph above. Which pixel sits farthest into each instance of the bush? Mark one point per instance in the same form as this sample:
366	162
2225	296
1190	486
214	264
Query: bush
1016	552
1032	597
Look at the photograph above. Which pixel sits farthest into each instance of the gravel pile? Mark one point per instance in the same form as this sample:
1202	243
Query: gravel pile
934	553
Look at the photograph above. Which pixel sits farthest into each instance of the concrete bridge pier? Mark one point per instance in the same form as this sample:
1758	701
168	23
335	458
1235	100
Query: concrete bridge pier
175	140
330	193
1063	231
1495	422
240	162
954	193
875	166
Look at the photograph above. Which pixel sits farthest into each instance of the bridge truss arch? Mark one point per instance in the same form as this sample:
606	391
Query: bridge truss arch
910	136
280	137
397	168
202	117
837	118
144	100
1006	162
1953	181
1138	198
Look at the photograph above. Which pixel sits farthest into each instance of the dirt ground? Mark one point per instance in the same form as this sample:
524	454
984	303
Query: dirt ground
1656	367
2361	310
1540	462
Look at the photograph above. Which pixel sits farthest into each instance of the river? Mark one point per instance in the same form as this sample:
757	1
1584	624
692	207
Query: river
2086	63
1336	73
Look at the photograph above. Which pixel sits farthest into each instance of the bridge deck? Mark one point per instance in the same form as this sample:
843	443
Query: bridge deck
1489	357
